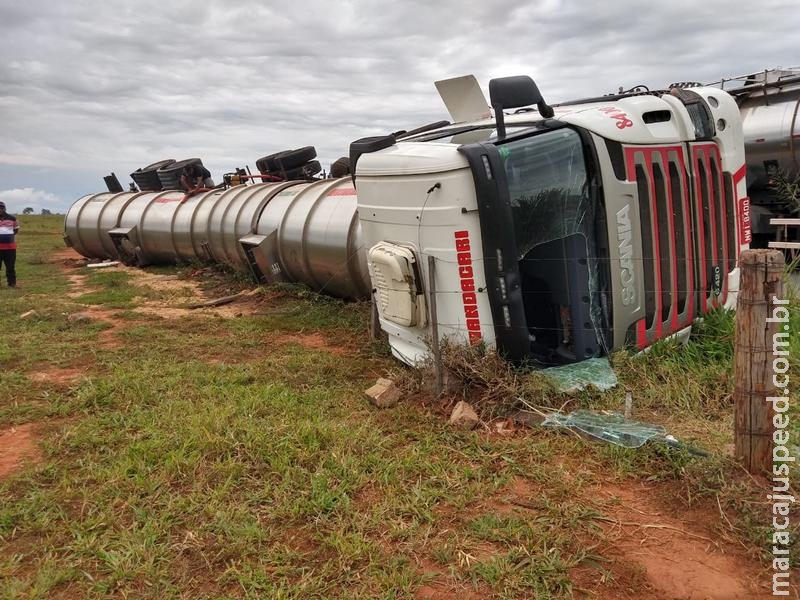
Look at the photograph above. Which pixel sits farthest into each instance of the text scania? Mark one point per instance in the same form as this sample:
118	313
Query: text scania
624	239
468	296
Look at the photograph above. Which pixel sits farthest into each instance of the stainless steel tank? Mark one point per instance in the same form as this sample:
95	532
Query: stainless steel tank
311	233
291	231
769	103
90	218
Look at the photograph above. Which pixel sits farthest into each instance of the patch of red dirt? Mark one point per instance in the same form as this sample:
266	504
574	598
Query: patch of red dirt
78	285
66	256
56	376
520	493
299	540
315	341
440	586
17	445
672	548
107	337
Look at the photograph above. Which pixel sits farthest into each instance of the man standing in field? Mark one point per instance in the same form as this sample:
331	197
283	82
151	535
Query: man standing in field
8	245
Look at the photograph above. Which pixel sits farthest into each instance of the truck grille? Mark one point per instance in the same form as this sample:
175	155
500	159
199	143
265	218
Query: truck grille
714	214
688	235
667	253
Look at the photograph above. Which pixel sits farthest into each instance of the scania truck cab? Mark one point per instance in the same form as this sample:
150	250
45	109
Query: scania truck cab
557	233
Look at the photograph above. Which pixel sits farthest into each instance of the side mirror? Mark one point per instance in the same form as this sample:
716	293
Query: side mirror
515	92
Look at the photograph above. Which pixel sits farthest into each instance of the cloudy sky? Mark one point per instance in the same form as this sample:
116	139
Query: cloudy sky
88	87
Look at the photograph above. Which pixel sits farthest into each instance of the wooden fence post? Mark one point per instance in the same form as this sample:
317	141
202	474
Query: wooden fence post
761	280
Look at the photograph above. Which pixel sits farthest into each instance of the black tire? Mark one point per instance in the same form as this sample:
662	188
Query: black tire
146	182
170	176
286	160
147	179
267	163
306	171
340	167
161	164
293	159
301	173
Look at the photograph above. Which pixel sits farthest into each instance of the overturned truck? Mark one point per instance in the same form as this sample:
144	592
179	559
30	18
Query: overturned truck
556	233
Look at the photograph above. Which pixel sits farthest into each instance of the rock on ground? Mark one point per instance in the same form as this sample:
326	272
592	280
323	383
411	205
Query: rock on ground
384	393
464	416
79	317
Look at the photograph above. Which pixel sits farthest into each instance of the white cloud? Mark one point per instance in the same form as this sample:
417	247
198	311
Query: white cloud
19	199
96	86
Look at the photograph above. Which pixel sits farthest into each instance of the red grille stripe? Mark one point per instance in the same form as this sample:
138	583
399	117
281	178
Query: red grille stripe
723	217
687	216
641	335
701	231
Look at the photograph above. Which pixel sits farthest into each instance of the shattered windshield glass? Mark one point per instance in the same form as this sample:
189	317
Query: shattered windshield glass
555	229
548	187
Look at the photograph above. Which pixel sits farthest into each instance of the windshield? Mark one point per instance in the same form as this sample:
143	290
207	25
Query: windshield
547	184
554	226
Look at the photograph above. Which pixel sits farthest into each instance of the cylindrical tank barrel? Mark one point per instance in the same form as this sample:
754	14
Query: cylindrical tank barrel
90	218
305	232
311	233
771	128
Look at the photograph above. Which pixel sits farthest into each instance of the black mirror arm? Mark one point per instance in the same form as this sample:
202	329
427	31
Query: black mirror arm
500	121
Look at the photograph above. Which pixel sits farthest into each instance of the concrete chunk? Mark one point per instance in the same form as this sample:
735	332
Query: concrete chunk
384	393
464	416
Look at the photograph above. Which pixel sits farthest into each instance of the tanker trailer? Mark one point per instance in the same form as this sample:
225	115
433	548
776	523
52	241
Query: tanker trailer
769	102
296	231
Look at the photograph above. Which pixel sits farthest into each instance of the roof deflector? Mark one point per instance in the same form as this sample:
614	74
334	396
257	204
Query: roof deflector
463	98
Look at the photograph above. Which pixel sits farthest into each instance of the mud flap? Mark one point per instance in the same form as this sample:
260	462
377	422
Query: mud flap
126	243
262	257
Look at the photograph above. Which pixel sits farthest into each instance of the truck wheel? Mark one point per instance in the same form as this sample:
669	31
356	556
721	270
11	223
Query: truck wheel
147	179
340	167
292	159
170	176
267	163
305	171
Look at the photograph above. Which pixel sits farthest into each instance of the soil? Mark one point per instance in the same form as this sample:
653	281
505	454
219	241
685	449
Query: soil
658	548
56	376
17	445
175	294
316	341
669	548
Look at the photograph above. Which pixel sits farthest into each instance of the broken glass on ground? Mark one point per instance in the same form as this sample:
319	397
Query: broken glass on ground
609	426
578	376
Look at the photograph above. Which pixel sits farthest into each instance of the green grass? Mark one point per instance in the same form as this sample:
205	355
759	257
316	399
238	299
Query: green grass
202	457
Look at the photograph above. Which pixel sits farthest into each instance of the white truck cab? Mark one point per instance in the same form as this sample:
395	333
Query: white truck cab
559	233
